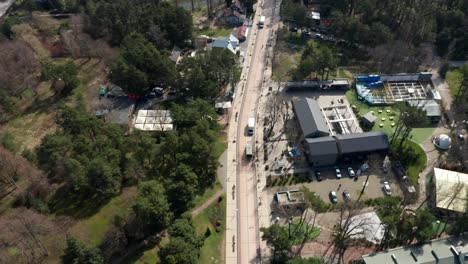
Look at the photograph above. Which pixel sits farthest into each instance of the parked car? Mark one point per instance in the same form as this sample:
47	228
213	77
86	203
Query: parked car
346	195
386	188
310	175
306	33
318	36
318	175
333	197
351	172
338	173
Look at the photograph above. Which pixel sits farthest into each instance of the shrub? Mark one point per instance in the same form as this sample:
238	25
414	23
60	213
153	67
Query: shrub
208	232
444	69
8	142
28	155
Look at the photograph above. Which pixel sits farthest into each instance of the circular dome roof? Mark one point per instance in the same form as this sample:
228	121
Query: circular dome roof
443	141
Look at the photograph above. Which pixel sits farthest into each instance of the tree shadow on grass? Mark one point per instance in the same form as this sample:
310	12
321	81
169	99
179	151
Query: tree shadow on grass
64	202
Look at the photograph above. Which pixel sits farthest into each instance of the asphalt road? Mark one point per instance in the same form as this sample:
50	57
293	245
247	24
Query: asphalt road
248	230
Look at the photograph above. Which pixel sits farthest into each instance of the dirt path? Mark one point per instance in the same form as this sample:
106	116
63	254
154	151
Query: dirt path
207	203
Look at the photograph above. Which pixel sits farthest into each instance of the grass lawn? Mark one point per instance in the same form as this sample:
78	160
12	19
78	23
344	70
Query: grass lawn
414	169
213	248
215	32
29	129
298	232
220	145
454	78
92	229
282	65
418	135
438	227
200	199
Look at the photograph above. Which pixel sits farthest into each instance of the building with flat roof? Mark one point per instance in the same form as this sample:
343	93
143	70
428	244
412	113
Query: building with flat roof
310	85
392	88
154	120
450	250
451	190
310	117
289	197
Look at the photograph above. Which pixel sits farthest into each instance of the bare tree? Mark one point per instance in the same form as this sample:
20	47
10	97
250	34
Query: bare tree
23	230
18	67
307	222
348	225
274	110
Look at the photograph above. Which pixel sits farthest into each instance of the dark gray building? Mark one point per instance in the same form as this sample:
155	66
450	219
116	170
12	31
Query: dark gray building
326	151
311	85
361	143
322	151
310	118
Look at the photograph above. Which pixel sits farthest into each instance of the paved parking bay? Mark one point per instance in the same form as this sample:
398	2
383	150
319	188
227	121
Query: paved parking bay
331	183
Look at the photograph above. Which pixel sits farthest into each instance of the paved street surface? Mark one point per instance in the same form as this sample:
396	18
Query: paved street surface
242	223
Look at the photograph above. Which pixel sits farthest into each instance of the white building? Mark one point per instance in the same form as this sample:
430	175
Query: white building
451	189
154	120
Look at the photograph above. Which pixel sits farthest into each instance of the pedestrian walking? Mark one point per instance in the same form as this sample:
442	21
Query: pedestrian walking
339	186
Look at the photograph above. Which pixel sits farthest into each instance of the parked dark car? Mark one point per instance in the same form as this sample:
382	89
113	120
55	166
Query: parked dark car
318	175
346	195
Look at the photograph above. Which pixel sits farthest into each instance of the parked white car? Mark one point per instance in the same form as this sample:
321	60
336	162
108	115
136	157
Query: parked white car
386	188
337	173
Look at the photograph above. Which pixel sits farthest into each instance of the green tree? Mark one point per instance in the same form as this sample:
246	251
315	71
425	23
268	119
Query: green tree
205	75
151	206
57	71
189	114
104	178
114	20
142	67
183	228
77	252
182	187
127	76
179	251
318	60
305	261
277	238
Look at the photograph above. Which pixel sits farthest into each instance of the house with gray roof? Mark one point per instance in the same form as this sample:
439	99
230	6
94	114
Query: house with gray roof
231	43
310	118
452	250
361	143
322	151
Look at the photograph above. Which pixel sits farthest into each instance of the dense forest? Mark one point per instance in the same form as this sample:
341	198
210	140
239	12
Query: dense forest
373	23
83	163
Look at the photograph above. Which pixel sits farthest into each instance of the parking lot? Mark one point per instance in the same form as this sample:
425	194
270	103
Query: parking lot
331	183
